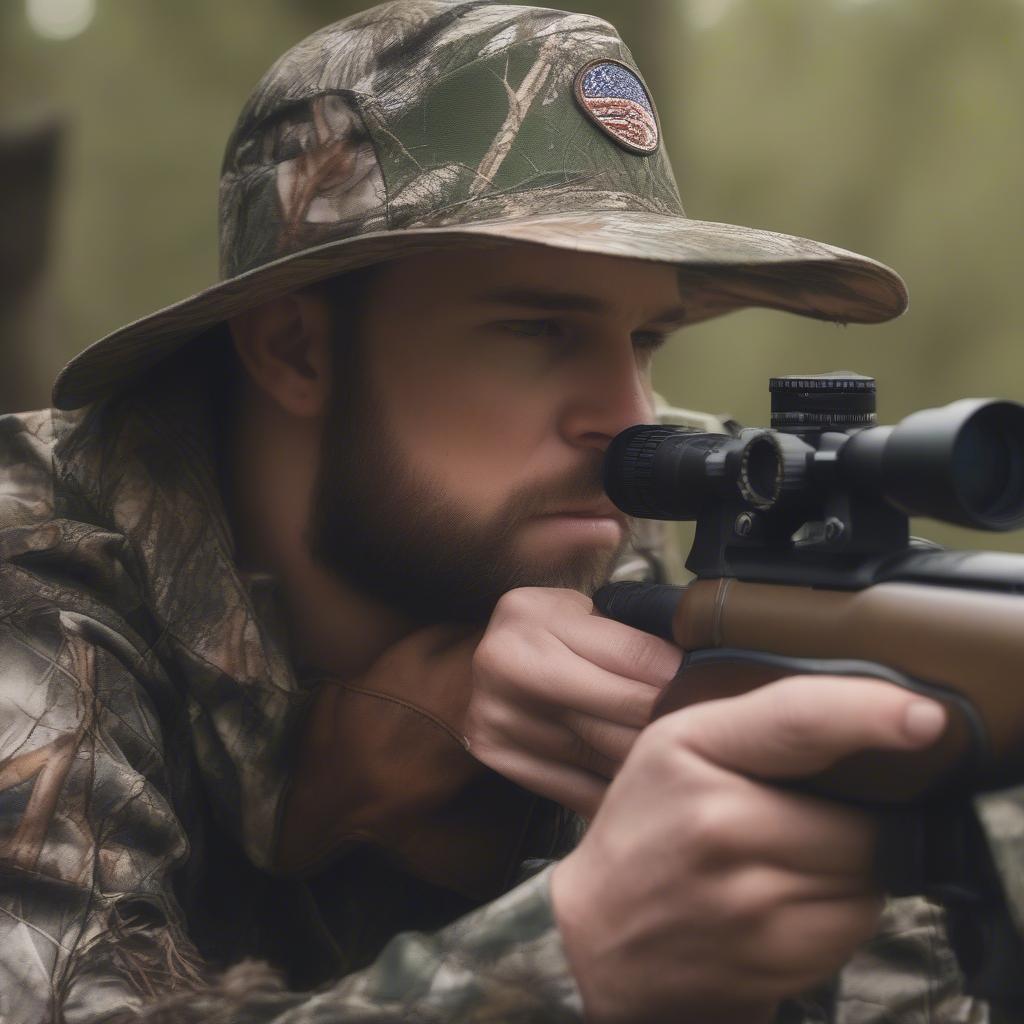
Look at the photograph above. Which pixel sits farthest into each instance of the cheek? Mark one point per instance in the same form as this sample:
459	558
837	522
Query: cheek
475	435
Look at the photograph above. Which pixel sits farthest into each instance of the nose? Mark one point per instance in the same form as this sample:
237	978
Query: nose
612	393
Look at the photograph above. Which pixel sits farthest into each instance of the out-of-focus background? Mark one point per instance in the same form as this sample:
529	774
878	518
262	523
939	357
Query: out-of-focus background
891	127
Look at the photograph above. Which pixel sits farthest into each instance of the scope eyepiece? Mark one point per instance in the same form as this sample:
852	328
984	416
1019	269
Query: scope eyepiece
656	472
760	470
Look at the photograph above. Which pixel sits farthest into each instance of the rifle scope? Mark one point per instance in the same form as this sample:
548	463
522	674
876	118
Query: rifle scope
963	463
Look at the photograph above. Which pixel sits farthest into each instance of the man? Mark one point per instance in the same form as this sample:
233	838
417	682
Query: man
299	662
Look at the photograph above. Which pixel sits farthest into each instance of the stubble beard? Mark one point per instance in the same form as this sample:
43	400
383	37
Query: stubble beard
385	530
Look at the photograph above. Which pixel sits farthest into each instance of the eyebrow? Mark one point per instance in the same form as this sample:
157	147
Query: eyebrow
552	301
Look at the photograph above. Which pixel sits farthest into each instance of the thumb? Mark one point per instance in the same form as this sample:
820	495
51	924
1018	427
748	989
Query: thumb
802	725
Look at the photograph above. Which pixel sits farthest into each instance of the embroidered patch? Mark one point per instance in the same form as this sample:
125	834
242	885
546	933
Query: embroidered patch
616	101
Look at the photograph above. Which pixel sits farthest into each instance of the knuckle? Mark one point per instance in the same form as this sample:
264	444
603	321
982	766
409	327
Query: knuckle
484	717
517	619
509	663
573	598
517	603
752	897
714	827
657	753
495	660
673	733
658	742
799	717
540	602
488	657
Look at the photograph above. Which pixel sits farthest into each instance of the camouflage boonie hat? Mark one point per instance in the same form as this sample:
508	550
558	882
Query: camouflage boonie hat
420	125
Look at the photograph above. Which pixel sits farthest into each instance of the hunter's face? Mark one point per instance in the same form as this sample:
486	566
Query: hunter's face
462	456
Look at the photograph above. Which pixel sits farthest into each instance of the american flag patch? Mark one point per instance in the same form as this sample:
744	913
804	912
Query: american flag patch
617	102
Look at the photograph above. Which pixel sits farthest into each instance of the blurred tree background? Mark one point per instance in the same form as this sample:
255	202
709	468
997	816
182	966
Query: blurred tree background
891	127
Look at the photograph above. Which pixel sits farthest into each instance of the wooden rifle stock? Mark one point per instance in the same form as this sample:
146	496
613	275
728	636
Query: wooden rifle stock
961	646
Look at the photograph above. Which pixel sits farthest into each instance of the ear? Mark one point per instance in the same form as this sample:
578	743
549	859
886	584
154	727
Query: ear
285	347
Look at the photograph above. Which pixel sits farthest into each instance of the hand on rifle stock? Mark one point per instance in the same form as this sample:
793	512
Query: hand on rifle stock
700	891
560	694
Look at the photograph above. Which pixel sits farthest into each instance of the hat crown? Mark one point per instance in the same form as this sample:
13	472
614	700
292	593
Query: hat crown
430	113
423	125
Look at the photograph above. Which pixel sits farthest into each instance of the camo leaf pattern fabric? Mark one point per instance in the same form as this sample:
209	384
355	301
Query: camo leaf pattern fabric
426	115
145	706
145	702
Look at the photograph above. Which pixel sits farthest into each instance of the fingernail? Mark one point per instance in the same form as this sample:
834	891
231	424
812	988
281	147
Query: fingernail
924	720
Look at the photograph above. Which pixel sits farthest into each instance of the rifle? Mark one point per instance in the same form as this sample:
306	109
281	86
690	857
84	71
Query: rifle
804	563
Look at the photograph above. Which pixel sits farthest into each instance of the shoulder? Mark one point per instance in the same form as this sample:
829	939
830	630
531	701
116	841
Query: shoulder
26	465
55	562
76	648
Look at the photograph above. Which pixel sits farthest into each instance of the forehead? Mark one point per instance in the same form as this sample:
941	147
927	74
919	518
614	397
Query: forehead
485	276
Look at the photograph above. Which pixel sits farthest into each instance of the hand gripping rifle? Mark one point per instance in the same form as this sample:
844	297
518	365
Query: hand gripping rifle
803	563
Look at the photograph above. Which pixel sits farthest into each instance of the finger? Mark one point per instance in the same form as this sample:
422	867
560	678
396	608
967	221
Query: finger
621	649
584	742
753	822
813	939
582	688
801	725
579	790
755	888
558	677
609	739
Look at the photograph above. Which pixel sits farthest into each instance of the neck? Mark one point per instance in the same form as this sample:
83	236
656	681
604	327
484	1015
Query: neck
271	471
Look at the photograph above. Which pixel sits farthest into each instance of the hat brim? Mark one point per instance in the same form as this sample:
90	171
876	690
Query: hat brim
728	267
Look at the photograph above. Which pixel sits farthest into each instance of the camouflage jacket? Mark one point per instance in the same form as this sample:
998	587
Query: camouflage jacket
147	704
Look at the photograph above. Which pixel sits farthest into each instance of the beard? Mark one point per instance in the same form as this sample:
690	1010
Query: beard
397	537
